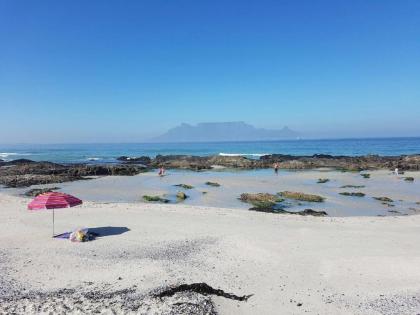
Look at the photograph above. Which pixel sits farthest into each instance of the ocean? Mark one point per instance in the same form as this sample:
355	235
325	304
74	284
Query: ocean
108	152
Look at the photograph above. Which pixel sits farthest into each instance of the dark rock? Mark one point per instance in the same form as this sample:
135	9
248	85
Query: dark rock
282	211
312	212
384	199
23	173
213	184
352	194
37	191
322	180
345	163
19	161
266	206
181	161
260	197
353	186
185	186
144	160
409	179
301	196
155	199
181	195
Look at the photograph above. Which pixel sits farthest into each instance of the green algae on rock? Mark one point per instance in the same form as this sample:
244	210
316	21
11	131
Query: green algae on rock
352	194
185	186
301	196
322	180
155	199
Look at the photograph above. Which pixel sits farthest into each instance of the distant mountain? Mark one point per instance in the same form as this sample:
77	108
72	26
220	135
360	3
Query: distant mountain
223	131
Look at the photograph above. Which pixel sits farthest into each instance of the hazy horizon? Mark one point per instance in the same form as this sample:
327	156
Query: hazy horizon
106	72
150	138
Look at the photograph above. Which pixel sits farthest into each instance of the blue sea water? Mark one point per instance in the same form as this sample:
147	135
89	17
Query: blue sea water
107	153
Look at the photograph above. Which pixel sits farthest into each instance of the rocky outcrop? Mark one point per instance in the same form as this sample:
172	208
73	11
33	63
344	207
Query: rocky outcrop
352	163
305	212
37	191
144	160
259	197
301	196
181	161
348	163
23	173
181	195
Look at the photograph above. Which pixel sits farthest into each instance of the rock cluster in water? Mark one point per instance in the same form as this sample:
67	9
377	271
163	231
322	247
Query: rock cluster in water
22	172
351	163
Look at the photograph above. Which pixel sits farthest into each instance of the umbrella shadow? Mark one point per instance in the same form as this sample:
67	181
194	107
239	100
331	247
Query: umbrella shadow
108	230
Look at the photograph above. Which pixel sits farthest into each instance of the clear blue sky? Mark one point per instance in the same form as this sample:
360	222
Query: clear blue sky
105	71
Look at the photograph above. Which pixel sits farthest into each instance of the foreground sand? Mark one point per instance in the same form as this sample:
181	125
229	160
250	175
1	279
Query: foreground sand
291	265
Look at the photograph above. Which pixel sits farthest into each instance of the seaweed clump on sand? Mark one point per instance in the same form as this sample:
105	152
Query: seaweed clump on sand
352	194
213	184
322	180
155	199
185	186
201	288
365	175
301	196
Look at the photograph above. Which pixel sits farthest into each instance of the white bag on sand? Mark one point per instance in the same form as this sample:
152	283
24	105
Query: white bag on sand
79	235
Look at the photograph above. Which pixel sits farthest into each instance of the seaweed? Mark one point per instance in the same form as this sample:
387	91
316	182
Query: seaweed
212	184
155	199
185	186
352	194
301	196
322	180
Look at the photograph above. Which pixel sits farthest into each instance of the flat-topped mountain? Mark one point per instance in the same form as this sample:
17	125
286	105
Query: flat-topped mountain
223	131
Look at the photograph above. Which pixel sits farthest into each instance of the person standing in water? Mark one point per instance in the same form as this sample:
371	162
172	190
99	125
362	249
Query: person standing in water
276	168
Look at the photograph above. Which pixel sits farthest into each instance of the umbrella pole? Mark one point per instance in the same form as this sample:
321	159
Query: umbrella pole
53	224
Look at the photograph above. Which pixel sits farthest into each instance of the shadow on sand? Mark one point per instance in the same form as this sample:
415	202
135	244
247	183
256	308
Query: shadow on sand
108	230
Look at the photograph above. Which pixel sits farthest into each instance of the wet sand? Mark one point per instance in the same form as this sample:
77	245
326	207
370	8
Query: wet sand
380	184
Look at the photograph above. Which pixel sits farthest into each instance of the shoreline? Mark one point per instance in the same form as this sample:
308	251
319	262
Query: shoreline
341	193
293	264
22	172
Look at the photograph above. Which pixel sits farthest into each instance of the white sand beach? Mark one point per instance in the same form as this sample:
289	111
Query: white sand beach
290	264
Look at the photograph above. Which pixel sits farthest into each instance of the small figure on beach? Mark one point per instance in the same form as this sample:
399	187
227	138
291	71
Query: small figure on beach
396	171
276	168
161	171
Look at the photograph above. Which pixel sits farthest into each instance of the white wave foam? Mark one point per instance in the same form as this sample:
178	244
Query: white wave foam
93	159
243	154
10	154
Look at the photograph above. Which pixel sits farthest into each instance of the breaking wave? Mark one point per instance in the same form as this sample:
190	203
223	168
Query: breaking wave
243	154
6	155
94	158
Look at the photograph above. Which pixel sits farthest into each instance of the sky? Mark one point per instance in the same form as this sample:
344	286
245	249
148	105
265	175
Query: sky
125	71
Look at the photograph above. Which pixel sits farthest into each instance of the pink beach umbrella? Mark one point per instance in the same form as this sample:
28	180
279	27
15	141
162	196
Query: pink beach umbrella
53	200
